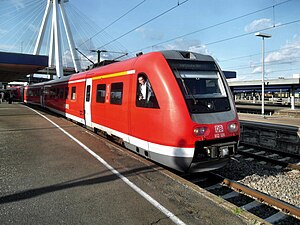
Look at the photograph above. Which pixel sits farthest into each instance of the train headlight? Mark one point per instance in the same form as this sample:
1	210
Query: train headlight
232	127
199	131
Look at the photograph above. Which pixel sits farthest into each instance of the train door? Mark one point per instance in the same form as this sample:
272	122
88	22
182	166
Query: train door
87	102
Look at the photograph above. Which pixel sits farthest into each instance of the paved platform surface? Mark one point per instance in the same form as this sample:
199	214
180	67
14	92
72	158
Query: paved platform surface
281	119
280	115
48	178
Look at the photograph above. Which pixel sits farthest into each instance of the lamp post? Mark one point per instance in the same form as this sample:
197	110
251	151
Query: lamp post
263	36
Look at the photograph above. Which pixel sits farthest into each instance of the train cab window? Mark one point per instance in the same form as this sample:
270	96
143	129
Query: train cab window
101	92
88	93
145	96
116	93
204	91
73	93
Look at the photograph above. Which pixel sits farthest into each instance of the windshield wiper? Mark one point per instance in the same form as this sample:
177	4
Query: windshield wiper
188	91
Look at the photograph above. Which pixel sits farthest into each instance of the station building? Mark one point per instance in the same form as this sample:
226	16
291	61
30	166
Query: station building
280	91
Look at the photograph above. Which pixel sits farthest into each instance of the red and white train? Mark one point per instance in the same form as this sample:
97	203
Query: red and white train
187	122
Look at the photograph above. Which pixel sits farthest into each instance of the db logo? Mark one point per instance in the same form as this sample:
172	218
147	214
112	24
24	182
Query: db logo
219	128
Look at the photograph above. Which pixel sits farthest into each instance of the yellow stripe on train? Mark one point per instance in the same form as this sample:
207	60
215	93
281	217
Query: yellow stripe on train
123	73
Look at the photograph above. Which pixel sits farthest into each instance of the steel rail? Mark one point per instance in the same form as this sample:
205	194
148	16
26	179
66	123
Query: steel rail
274	161
284	206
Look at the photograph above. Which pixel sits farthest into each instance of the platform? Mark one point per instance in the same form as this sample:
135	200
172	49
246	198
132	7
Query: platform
281	118
269	110
48	178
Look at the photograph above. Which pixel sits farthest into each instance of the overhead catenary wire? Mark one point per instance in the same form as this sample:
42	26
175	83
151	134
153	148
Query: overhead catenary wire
253	32
116	20
143	24
275	71
83	29
85	32
256	54
212	26
276	62
90	27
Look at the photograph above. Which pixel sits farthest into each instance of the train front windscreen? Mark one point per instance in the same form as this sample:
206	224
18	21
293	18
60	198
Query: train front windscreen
202	86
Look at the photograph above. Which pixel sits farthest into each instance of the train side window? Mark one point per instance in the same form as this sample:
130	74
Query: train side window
88	93
101	92
56	93
73	93
61	93
116	93
52	93
145	96
66	92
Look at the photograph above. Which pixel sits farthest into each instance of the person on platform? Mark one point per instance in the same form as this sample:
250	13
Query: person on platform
1	97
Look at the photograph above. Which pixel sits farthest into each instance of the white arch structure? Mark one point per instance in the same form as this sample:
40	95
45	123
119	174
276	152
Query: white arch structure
55	37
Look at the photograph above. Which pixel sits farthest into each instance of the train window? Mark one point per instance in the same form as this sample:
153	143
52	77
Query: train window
47	92
203	84
88	93
145	96
61	93
73	93
116	93
66	92
30	93
101	92
52	93
204	91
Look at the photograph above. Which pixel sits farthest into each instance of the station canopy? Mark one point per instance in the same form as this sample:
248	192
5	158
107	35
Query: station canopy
15	66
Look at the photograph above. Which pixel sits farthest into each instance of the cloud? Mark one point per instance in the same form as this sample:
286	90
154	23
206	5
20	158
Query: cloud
150	34
186	45
259	24
258	69
288	53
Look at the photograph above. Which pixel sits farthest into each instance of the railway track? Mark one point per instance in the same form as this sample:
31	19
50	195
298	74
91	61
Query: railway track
264	156
258	163
269	208
266	207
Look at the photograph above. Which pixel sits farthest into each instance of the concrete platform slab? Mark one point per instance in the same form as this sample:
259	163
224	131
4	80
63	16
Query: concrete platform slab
48	178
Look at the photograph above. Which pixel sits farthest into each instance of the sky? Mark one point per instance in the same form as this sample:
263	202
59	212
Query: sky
224	29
